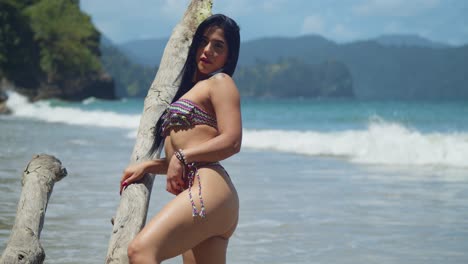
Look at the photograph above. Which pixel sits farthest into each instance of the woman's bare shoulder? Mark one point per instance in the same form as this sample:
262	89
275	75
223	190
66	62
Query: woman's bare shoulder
215	80
222	87
221	80
220	76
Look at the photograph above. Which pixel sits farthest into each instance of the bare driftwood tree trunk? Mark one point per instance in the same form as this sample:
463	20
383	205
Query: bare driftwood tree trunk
38	181
131	214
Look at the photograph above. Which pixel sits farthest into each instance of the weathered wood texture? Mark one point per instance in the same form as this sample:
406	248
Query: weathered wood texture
38	181
132	211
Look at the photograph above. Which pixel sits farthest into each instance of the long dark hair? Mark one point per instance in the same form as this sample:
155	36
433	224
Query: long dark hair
232	36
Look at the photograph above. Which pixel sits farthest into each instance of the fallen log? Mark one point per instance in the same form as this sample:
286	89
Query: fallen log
39	177
132	211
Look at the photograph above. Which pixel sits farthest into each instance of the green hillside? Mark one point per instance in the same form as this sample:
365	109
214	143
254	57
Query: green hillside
131	79
378	71
49	48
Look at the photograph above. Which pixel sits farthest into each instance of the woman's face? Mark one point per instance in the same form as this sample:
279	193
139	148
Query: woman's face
212	53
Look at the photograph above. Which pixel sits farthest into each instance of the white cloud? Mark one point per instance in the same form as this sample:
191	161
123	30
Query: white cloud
235	8
341	33
122	20
392	27
273	5
313	24
248	7
394	7
173	8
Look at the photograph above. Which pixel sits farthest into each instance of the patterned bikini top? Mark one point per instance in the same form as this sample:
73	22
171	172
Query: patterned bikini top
184	113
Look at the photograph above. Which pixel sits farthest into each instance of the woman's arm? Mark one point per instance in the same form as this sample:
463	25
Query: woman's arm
225	99
136	171
158	166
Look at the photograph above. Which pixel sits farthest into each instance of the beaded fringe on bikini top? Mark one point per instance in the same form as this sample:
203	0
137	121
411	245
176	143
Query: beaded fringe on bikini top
184	113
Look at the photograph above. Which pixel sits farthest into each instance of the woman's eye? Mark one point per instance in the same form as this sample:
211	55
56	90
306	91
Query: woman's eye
219	46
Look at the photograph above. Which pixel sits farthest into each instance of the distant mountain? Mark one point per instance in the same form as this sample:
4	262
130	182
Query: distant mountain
408	40
378	68
378	71
293	77
147	52
106	41
131	79
274	48
330	78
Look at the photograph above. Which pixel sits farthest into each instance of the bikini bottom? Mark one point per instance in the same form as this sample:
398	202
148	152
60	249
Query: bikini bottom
191	171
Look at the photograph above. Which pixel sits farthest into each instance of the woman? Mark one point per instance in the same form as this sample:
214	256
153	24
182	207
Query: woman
201	127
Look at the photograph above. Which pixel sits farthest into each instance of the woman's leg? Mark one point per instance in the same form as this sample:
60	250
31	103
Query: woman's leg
213	250
174	231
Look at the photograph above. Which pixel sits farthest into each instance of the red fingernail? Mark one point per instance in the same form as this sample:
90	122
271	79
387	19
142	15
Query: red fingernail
122	187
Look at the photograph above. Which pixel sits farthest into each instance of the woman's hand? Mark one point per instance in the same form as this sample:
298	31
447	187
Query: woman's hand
175	172
132	174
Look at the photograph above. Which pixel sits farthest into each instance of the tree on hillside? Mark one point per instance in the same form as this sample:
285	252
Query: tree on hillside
291	77
69	43
50	49
131	79
19	54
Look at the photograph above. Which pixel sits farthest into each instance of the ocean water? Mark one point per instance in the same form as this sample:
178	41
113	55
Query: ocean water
320	181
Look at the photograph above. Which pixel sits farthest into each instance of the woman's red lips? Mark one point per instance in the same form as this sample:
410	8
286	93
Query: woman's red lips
205	60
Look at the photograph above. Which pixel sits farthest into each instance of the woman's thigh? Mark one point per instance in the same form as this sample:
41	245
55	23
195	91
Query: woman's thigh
211	251
174	231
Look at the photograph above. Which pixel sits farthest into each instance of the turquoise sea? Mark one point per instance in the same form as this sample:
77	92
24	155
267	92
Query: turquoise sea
320	180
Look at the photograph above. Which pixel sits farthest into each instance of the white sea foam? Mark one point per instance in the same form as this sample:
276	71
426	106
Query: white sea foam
43	110
132	134
380	143
89	100
80	142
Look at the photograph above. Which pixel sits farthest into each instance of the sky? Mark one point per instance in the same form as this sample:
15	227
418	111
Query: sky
342	21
